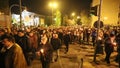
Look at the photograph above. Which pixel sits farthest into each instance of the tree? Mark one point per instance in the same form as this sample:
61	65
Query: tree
58	18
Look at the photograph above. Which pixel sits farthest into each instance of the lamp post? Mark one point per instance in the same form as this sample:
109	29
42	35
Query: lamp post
98	29
20	14
73	14
52	5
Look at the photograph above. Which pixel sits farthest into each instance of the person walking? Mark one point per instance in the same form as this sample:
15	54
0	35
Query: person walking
66	39
117	59
45	52
23	41
56	43
109	47
14	57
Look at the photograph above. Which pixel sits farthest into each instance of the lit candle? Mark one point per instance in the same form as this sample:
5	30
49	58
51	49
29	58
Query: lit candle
99	38
42	50
114	43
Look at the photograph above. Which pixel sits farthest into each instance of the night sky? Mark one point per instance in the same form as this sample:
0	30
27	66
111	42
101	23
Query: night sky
65	6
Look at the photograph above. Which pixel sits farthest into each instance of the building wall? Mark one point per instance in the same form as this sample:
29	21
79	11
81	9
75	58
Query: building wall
109	11
5	21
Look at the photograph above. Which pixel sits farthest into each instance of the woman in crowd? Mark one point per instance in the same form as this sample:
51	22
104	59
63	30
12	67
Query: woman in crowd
45	52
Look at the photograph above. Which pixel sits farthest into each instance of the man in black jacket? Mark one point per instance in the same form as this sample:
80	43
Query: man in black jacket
109	47
66	39
118	49
23	41
56	43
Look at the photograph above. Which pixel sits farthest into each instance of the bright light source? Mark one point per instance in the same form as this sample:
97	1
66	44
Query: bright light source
105	18
78	17
73	14
53	4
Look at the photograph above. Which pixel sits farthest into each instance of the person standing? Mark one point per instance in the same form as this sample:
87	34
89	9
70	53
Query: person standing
117	59
94	34
45	52
56	43
66	39
23	41
109	47
2	54
14	57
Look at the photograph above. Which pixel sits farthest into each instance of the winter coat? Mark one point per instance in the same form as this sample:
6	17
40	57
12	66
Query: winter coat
47	54
56	43
14	57
108	45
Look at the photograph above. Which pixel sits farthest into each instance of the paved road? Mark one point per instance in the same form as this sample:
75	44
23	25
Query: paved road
73	58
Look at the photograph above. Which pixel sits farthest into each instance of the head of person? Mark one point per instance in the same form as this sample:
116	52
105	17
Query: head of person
44	39
31	33
112	36
55	35
21	33
8	40
2	31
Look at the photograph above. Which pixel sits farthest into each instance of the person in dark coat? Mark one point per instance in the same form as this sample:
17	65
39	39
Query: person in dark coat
60	35
117	59
45	52
94	34
14	57
109	47
2	54
23	41
56	43
66	39
88	32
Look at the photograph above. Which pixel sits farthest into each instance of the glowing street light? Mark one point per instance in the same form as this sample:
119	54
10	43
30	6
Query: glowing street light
53	5
73	14
105	18
78	17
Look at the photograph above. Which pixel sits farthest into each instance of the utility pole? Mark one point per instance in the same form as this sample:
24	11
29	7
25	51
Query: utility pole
20	14
98	28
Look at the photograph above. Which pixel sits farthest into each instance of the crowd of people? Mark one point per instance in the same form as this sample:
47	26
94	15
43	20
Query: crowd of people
18	47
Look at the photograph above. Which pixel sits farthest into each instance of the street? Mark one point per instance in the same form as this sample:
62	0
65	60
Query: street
73	59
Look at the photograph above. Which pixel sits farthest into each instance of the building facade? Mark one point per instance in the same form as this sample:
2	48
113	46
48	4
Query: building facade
110	10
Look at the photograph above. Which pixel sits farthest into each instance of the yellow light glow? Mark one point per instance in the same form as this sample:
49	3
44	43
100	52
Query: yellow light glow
78	17
105	18
42	50
73	14
53	4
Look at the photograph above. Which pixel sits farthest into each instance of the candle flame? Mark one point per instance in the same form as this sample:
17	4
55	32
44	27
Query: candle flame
42	50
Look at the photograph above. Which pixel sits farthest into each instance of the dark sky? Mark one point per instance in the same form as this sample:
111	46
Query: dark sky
65	6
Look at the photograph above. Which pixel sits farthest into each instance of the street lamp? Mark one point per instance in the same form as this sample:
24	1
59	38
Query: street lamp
73	14
53	5
20	13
